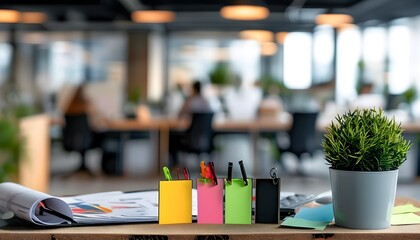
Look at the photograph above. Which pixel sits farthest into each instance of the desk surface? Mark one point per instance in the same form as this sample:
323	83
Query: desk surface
195	231
280	124
198	231
218	125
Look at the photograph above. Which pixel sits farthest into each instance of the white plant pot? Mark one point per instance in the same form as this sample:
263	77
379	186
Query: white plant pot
363	200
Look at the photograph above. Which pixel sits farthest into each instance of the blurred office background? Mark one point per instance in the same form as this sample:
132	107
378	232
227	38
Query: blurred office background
293	57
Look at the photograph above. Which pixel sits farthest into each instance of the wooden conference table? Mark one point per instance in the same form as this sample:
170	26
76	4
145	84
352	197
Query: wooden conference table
204	231
162	126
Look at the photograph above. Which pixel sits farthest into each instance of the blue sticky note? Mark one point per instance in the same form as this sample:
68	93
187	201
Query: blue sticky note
322	213
302	223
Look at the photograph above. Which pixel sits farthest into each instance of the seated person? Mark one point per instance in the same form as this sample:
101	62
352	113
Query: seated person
195	103
81	104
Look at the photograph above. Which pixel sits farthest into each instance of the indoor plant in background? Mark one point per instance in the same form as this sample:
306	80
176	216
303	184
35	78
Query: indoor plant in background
364	149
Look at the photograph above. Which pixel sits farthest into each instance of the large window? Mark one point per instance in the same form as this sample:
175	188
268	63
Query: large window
399	57
348	57
193	56
5	57
323	54
374	54
298	60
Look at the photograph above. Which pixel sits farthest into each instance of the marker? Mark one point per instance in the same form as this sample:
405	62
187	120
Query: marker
229	179
203	169
244	177
167	174
213	173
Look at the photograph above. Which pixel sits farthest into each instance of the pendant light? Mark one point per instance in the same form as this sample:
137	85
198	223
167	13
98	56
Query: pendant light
153	16
245	10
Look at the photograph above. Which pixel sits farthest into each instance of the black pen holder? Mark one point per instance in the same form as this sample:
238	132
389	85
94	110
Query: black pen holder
267	200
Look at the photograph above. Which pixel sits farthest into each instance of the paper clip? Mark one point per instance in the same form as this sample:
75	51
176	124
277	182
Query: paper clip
167	174
229	178
273	175
213	173
43	208
186	173
244	177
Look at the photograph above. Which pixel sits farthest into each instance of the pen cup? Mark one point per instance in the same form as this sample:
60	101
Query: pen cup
238	202
209	201
267	200
175	201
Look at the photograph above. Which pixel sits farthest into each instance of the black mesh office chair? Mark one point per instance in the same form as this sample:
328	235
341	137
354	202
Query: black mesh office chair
198	138
78	137
302	134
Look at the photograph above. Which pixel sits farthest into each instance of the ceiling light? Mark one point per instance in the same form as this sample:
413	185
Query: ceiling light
244	12
9	16
33	17
334	20
268	48
153	16
257	35
281	37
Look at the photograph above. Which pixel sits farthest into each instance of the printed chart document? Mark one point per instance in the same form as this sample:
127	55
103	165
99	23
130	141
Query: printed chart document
90	209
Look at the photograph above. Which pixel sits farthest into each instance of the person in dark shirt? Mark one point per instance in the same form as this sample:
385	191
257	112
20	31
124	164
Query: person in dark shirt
195	103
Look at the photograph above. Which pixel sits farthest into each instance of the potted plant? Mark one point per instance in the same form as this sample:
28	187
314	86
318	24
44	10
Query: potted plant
221	74
364	149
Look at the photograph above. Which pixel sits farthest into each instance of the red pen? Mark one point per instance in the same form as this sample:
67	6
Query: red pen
186	174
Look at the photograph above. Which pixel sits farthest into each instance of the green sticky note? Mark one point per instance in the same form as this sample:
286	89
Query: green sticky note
302	223
238	198
405	218
407	208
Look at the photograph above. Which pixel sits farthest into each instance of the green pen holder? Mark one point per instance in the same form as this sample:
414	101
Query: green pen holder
238	201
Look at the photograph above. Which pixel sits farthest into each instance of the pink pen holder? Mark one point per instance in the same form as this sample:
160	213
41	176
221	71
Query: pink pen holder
209	202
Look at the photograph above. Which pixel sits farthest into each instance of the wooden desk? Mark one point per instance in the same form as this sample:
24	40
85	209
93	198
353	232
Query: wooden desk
198	231
162	126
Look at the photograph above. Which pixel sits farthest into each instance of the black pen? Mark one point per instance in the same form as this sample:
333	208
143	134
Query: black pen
244	177
229	179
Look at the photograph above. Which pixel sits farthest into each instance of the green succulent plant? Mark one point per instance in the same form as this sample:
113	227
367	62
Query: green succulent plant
365	140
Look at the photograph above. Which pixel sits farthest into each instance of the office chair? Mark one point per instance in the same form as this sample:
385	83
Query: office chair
198	138
302	134
78	137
